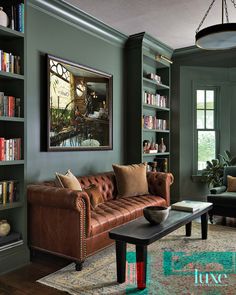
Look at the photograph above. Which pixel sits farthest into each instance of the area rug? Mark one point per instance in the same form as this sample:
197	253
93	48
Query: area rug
176	265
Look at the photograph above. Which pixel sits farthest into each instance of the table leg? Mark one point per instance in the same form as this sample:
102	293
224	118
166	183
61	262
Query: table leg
204	225
120	261
188	229
141	263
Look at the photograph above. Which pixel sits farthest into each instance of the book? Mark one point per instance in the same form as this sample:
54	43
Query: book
188	206
1	103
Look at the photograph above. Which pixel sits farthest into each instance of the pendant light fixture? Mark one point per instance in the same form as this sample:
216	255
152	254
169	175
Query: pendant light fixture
220	36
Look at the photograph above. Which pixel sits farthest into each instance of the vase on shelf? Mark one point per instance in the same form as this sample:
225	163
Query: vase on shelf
162	146
4	228
3	18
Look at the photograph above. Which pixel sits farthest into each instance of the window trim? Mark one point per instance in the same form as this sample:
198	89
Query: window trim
203	86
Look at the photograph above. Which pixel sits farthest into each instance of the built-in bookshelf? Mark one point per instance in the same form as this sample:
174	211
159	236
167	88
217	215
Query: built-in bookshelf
13	249
148	101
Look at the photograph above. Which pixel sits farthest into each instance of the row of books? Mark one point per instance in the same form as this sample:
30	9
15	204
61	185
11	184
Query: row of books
16	15
10	149
9	106
13	239
155	99
150	122
8	191
9	63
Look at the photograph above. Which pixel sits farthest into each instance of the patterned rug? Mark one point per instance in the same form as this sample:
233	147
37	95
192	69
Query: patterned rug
176	265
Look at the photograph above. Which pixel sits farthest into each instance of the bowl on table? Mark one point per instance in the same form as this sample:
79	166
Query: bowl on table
156	214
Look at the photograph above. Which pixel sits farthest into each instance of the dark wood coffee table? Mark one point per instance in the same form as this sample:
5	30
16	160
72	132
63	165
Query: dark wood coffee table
141	233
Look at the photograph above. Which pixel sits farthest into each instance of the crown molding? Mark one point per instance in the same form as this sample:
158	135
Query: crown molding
83	21
149	42
187	50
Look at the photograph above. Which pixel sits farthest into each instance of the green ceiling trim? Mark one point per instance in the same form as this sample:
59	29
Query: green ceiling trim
187	50
150	43
73	16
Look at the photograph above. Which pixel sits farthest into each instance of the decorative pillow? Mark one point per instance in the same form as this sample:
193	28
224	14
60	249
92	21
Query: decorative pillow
95	196
68	181
231	183
131	179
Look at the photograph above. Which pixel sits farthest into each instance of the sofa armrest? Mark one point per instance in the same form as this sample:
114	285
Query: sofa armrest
218	190
61	198
159	184
58	221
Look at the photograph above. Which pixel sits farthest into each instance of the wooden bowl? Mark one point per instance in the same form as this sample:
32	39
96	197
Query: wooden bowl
156	214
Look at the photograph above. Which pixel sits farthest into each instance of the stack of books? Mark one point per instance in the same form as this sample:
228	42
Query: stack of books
10	241
188	206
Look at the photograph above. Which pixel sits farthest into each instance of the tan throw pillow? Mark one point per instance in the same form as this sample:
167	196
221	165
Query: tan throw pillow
231	183
131	179
95	196
68	181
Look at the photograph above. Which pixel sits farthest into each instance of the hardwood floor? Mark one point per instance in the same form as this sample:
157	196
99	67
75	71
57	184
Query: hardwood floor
23	281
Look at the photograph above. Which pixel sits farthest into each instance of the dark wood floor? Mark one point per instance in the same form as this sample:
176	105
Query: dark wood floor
23	281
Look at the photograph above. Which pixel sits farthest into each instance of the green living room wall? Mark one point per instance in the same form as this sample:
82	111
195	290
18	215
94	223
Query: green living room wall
51	33
214	68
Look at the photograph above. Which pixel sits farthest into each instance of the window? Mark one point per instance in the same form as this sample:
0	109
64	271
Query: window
205	126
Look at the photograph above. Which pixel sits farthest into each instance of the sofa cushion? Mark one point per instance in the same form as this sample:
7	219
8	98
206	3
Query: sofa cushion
131	179
116	212
231	183
95	196
68	181
226	199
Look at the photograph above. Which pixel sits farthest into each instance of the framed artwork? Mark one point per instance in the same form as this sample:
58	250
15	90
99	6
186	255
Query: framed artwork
79	107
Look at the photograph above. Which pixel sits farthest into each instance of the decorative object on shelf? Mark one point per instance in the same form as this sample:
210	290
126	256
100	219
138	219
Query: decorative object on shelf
146	146
162	146
154	77
4	21
79	107
162	164
160	57
220	36
150	148
4	228
156	214
153	166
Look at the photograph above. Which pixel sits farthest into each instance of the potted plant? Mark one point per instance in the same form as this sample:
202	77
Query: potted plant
214	171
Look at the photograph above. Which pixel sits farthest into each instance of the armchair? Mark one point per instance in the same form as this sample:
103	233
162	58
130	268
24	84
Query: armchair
224	202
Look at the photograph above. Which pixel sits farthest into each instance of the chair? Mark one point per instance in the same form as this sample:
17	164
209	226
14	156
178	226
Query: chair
224	202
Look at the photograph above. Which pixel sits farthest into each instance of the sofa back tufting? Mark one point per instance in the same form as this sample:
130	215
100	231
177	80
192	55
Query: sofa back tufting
106	183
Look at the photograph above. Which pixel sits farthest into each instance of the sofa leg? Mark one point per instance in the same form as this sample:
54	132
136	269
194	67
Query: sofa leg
78	266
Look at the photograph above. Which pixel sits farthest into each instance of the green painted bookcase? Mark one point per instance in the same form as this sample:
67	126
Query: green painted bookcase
145	55
14	127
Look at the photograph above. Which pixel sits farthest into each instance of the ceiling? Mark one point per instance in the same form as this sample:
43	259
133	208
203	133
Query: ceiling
173	22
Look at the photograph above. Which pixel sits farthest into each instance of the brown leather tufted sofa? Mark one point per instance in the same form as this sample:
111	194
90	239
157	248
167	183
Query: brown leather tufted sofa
61	222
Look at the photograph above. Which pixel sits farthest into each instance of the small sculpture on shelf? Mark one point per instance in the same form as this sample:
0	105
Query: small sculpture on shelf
146	146
153	166
150	148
